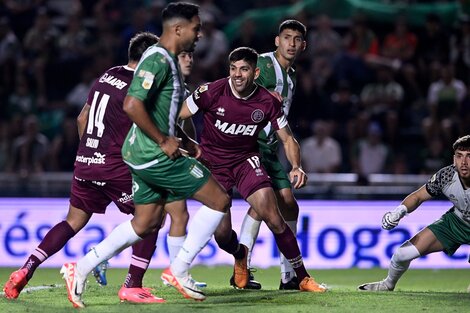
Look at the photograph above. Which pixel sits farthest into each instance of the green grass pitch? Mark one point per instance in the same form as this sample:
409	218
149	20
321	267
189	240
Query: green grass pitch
418	291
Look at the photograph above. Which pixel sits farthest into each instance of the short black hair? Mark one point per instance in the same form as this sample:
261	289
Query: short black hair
180	10
463	143
244	53
294	25
139	43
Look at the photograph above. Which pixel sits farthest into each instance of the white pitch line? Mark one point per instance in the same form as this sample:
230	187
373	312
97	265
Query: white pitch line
36	288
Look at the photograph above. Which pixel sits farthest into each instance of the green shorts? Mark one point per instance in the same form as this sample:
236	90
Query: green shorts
451	231
168	179
276	171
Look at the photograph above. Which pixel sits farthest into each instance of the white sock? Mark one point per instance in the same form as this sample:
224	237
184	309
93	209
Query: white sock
120	238
287	271
174	245
400	262
200	231
248	234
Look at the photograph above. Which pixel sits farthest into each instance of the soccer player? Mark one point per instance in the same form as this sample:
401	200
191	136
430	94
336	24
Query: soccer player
235	110
277	75
160	173
446	234
99	178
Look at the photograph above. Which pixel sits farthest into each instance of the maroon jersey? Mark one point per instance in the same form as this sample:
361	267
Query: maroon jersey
99	152
231	124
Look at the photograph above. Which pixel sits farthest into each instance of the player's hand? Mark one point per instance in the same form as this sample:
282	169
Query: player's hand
194	150
170	146
298	177
391	219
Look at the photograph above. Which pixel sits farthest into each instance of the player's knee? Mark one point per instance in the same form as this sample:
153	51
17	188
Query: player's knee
406	252
275	223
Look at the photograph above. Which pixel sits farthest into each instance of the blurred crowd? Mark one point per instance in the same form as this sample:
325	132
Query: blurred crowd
370	98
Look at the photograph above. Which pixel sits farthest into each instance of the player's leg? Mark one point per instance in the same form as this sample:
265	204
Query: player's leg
248	235
290	212
132	290
55	239
179	215
179	220
264	203
227	240
202	186
145	221
421	244
203	225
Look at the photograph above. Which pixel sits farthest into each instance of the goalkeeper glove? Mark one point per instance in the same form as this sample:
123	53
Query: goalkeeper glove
390	219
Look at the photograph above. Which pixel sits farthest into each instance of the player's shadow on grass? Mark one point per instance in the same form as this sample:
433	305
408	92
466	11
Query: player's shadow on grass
248	297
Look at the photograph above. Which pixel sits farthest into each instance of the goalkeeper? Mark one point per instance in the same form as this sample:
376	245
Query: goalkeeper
446	234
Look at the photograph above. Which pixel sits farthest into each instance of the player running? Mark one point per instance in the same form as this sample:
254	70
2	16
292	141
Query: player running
160	173
235	110
99	178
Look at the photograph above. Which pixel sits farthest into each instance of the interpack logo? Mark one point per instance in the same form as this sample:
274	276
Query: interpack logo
331	234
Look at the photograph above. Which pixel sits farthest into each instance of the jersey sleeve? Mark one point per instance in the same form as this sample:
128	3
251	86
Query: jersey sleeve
149	75
266	66
200	98
438	181
277	117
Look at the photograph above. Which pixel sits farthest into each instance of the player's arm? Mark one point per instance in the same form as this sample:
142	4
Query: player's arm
82	119
292	149
391	219
188	130
136	111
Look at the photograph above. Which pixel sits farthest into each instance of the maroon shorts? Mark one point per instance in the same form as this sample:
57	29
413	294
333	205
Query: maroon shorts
248	176
95	196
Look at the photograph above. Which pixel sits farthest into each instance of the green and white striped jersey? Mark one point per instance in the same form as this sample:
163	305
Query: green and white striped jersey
275	78
159	84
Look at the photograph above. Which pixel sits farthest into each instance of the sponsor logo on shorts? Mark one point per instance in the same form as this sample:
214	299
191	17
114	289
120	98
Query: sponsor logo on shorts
98	158
98	183
259	172
125	198
196	172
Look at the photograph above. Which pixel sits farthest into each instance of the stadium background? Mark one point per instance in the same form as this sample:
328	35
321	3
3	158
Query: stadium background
50	52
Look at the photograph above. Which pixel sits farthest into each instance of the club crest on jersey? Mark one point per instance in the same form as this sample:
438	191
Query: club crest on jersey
257	115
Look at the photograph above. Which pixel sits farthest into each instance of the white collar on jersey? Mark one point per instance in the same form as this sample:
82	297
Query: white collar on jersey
127	67
235	93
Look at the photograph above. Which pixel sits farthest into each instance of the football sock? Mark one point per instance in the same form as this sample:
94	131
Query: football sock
55	239
248	234
400	262
120	238
200	231
174	245
287	272
287	244
142	253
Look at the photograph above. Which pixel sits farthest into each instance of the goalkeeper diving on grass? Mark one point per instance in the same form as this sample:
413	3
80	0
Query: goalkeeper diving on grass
446	234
